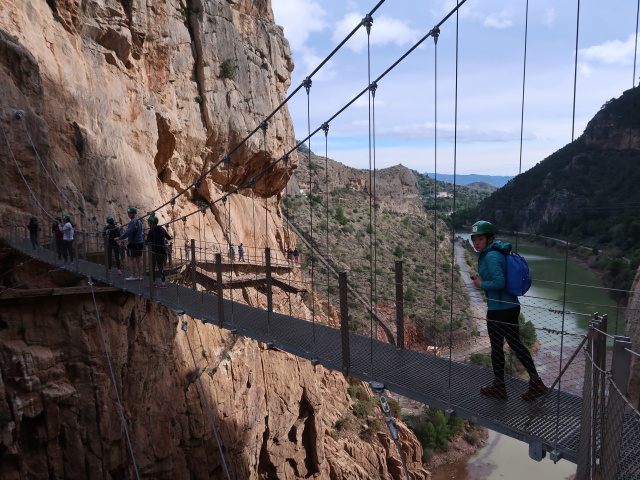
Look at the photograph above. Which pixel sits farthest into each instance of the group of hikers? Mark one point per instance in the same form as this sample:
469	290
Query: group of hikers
293	256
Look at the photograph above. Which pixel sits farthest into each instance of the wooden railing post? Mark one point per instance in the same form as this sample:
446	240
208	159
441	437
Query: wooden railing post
344	322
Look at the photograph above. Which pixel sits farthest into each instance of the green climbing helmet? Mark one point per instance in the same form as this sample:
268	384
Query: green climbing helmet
33	216
481	227
110	219
58	218
132	210
67	217
153	219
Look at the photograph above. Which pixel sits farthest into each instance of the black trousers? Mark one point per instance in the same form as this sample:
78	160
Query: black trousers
67	249
503	325
111	250
157	261
59	247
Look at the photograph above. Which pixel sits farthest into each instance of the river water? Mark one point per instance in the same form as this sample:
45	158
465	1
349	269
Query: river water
503	457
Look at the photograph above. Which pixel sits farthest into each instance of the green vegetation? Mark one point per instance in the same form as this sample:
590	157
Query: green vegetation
228	69
433	430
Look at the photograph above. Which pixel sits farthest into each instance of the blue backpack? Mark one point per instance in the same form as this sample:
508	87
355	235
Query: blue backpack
518	275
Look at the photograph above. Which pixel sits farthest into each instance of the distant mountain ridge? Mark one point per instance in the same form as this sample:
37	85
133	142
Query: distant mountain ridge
495	180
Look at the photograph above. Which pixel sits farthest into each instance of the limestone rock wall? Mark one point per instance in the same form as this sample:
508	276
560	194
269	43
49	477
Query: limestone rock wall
127	103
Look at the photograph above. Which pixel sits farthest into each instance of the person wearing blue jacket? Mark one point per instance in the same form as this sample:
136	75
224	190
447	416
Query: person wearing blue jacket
135	245
503	310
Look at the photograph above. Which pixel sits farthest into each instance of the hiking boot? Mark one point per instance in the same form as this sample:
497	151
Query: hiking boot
131	278
496	389
163	285
536	389
119	272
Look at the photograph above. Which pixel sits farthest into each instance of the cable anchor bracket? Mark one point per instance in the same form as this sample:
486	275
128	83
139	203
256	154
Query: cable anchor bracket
367	22
306	83
435	33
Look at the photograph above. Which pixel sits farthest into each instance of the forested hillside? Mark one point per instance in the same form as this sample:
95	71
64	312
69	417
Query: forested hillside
586	192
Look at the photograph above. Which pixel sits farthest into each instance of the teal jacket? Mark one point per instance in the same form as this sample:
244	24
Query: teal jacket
492	267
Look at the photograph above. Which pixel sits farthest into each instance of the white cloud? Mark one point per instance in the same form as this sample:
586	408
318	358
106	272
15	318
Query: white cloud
384	31
503	19
299	18
611	52
549	17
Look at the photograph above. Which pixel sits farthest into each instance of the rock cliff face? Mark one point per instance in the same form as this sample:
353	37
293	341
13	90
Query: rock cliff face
127	102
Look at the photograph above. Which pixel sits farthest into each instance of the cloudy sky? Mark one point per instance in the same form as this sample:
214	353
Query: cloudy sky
420	92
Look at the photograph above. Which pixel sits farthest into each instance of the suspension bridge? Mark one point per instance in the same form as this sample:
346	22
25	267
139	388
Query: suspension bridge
585	418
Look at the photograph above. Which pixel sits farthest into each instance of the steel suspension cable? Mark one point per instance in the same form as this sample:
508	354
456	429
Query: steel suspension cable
453	213
347	105
325	128
20	116
113	380
307	86
6	139
277	109
566	255
524	77
435	33
204	396
368	22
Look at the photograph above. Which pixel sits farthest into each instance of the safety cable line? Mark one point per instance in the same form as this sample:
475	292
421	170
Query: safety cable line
524	76
307	86
6	139
30	280
435	32
113	380
368	22
325	128
566	255
335	115
301	142
16	267
204	396
632	352
276	110
453	213
20	116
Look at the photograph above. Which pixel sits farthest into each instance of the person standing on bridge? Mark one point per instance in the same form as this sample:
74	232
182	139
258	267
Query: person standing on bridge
503	311
134	245
156	237
110	235
241	252
68	234
34	230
